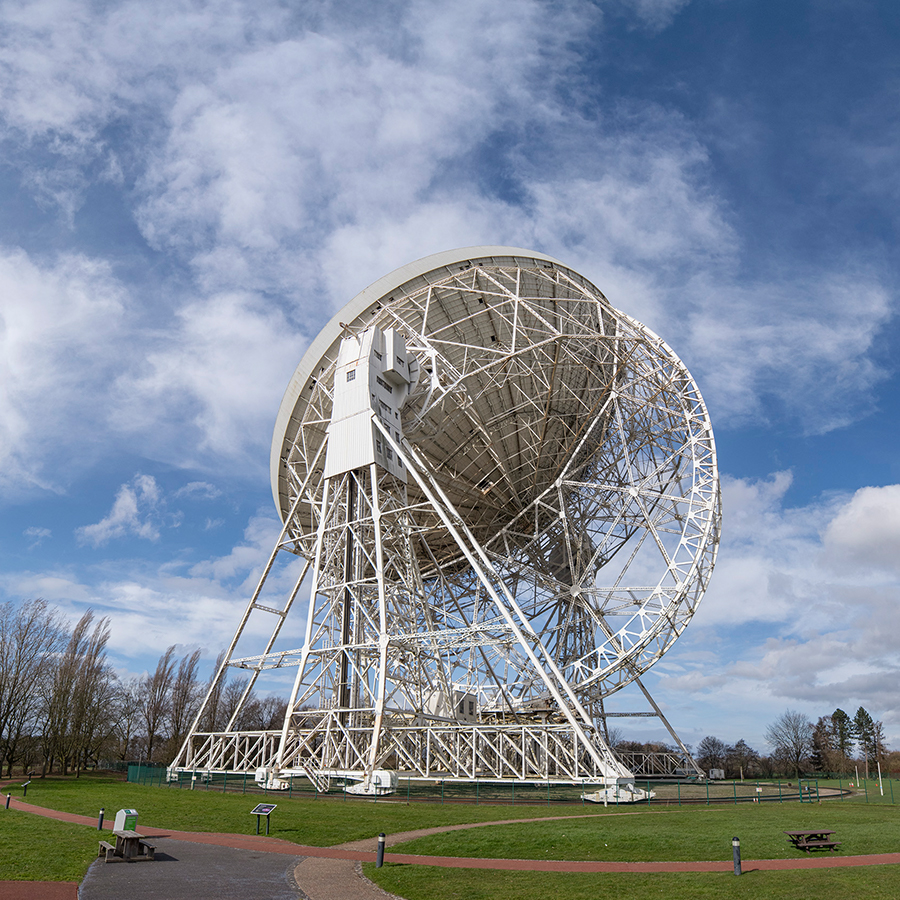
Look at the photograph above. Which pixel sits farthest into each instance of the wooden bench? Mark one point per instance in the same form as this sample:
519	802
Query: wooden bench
129	846
819	845
812	840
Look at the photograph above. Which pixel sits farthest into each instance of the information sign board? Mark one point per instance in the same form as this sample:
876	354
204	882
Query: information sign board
262	809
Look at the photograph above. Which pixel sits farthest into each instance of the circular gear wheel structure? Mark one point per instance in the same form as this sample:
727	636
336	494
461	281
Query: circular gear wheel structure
570	445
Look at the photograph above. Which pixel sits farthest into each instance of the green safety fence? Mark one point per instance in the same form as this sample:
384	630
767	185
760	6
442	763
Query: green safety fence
477	791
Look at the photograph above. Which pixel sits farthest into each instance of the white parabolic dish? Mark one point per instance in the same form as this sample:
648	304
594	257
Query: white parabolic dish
570	439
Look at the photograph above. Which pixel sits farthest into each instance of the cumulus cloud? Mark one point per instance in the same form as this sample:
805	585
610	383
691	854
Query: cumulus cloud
211	389
766	563
134	512
59	324
802	606
292	140
866	531
289	160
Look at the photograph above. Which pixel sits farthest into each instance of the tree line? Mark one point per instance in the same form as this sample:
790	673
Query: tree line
836	744
63	707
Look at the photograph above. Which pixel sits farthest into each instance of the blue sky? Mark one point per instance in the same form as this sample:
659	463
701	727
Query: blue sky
189	191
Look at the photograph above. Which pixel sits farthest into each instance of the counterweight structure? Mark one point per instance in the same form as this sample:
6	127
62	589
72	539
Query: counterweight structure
506	497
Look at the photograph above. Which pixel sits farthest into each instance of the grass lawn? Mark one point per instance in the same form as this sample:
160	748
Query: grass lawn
25	839
427	883
688	833
659	832
321	822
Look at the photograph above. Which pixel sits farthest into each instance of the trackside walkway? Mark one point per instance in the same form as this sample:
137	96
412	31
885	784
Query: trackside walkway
333	873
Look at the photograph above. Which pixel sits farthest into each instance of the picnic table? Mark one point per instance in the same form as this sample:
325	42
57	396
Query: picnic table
129	845
812	840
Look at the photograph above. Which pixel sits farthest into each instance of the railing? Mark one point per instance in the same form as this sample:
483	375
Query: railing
479	790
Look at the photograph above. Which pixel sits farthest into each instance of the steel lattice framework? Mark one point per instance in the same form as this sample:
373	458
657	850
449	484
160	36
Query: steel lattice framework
535	525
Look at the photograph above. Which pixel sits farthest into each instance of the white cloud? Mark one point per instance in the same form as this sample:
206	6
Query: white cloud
134	512
58	588
766	562
59	324
247	558
655	14
152	604
866	531
210	390
199	489
806	342
38	534
796	614
289	160
295	138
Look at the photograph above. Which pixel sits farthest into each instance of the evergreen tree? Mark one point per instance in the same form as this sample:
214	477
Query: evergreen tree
824	754
842	734
864	732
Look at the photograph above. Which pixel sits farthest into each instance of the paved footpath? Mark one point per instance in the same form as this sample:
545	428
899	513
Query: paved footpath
325	873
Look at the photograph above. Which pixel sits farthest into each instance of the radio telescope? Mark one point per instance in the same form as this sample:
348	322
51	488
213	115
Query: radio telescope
505	494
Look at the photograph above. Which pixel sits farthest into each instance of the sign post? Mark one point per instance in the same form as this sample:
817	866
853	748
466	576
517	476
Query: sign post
262	809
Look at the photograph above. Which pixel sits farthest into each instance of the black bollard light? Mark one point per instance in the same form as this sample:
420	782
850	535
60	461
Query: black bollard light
25	788
7	801
380	862
736	846
100	820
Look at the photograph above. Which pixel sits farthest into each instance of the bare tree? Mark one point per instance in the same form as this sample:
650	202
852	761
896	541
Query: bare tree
615	736
740	760
791	735
212	712
266	714
30	636
184	700
129	713
231	697
156	689
94	695
224	696
711	753
58	690
77	695
274	710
